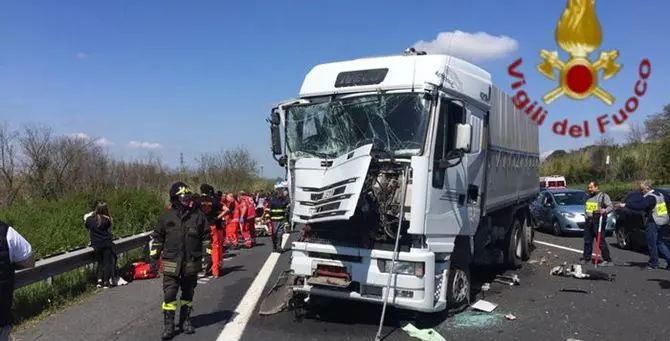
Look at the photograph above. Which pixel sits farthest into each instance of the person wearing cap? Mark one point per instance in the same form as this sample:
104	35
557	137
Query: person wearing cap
180	235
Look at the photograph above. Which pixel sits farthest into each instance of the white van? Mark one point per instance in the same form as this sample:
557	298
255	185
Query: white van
554	181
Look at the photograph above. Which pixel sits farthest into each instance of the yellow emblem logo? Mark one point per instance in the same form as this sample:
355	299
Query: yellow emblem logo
579	34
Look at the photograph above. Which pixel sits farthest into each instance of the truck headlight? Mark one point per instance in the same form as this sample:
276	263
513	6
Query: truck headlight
401	267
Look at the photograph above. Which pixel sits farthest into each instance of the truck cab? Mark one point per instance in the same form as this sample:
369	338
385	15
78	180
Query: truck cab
387	163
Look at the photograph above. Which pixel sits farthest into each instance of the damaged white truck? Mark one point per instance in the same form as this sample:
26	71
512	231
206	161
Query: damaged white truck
414	163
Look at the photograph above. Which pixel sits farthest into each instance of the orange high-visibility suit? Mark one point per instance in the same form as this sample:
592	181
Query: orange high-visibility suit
248	212
232	218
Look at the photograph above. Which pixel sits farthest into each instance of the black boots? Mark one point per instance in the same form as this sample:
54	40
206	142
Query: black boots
185	320
168	320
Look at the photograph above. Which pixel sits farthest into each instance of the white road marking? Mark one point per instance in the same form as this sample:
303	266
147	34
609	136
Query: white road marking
562	247
557	246
235	327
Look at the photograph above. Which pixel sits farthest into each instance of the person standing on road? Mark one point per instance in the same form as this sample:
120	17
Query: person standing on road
211	206
99	226
15	253
231	216
278	205
181	235
597	206
656	211
247	219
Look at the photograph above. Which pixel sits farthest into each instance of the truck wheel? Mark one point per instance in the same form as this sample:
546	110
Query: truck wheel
458	287
515	245
528	235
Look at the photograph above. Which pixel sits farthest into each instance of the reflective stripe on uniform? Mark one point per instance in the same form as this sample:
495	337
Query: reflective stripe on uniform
186	303
591	206
169	267
170	305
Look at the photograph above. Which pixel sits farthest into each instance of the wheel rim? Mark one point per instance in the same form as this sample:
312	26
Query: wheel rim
460	286
621	238
557	228
517	242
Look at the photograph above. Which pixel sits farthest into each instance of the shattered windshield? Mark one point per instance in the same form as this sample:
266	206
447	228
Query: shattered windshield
394	123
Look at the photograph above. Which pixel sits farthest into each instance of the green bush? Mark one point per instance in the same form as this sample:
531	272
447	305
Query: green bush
56	226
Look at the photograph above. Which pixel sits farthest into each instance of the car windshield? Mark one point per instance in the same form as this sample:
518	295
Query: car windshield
394	123
570	198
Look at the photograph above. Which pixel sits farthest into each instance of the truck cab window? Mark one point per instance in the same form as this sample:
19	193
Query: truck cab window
449	115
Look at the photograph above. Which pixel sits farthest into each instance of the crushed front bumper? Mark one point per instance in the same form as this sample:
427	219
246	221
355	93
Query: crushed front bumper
368	281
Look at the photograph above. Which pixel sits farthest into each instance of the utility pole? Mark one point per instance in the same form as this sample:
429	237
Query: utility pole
261	171
182	164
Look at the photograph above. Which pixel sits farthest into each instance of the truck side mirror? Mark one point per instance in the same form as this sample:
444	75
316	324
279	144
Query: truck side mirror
463	137
275	134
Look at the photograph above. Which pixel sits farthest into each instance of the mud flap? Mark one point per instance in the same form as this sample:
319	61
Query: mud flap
277	299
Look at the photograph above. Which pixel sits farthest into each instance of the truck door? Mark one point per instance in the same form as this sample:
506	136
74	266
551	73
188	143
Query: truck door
447	213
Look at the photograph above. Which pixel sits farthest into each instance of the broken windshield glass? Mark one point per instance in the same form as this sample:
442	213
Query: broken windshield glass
394	123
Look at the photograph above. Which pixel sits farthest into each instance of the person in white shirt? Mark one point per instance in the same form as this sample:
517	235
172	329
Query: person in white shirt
15	253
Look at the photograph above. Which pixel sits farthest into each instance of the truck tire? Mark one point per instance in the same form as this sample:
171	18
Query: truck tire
528	236
458	287
514	245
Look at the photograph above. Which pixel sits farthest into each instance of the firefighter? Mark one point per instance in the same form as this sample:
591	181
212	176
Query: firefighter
182	257
247	219
278	205
231	215
211	206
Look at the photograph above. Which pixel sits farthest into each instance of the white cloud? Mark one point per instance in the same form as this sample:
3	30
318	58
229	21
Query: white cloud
81	55
81	136
103	142
620	128
479	46
144	145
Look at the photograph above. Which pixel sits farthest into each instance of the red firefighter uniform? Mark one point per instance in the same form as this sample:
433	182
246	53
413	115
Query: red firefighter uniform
248	215
231	213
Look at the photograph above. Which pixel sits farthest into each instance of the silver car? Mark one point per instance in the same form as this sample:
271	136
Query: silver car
561	211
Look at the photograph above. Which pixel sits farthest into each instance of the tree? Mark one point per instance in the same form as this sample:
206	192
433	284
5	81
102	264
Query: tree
8	164
637	133
658	124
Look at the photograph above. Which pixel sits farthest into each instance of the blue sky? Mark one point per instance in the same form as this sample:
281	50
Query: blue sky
198	76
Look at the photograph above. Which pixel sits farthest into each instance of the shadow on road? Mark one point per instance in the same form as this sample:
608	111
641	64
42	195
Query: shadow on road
204	320
641	265
663	283
231	269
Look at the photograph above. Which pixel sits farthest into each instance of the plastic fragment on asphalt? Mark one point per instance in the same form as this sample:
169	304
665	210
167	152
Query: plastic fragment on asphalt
484	306
423	334
486	287
510	317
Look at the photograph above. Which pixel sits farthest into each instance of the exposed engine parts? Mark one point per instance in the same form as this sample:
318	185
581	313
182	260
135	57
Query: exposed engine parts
382	188
377	212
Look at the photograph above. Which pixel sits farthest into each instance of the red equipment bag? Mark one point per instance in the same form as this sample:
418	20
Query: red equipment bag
142	270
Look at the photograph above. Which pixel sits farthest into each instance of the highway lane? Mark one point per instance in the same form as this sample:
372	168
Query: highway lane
547	307
133	312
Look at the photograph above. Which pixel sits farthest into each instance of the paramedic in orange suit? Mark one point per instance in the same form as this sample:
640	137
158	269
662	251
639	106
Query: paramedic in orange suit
248	217
211	206
231	215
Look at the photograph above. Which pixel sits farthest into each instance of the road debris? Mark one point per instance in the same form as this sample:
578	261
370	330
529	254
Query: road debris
576	271
508	280
423	334
486	287
510	317
484	306
277	299
579	291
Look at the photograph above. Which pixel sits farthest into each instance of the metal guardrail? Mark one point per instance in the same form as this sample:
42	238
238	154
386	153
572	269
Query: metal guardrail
48	267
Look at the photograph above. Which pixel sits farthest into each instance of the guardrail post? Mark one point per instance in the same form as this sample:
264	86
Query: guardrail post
49	281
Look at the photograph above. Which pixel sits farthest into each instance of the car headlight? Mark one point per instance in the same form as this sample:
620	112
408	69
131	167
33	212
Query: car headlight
568	214
401	267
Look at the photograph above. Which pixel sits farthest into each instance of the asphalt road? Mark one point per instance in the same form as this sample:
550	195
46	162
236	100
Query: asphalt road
635	306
